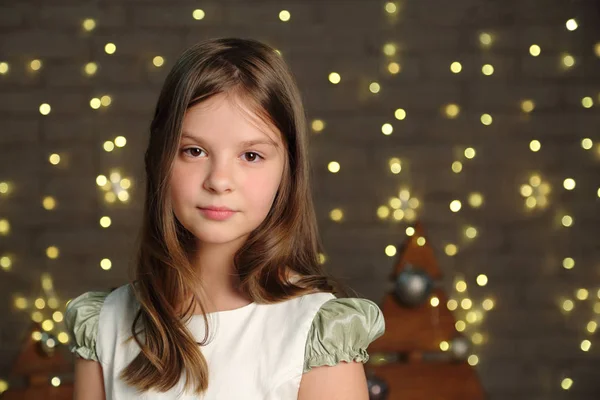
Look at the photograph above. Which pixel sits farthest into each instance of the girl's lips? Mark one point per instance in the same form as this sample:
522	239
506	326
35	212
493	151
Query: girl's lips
217	215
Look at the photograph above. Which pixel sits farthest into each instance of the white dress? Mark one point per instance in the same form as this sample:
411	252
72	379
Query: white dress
258	351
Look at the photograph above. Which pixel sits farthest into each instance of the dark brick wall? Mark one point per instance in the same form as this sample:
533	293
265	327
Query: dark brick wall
530	343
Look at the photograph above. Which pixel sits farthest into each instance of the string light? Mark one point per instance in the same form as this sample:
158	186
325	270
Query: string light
318	125
158	61
110	48
198	14
535	50
335	78
333	167
571	24
400	114
456	67
390	250
336	215
4	67
284	15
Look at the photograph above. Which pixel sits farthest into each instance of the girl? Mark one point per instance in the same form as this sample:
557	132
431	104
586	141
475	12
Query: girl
229	238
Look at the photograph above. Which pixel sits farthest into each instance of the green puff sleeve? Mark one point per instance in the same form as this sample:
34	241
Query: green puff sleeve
81	318
342	330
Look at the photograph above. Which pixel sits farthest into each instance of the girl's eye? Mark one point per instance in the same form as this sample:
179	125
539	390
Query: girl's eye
194	151
254	158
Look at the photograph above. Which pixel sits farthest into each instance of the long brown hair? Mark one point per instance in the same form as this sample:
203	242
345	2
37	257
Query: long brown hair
286	242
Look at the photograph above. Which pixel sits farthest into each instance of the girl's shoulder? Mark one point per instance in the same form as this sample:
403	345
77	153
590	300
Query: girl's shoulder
341	330
82	319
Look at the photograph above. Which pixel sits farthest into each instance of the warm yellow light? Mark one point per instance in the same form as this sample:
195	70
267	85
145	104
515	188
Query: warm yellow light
40	303
21	303
473	360
486	119
89	24
35	65
487	69
566	383
410	231
335	78
158	61
95	103
482	280
285	15
57	316
395	165
571	24
52	252
120	141
455	205
582	294
333	167
47	325
460	326
475	200
456	67
477	338
451	249
390	7
434	301
322	258
90	68
389	49
105	222
318	125
4	187
452	110
471	232
535	145
597	49
568	263
110	48
4	68
470	153
55	381
591	326
535	50
488	304
586	143
400	114
567	220
444	346
461	286
383	212
387	129
485	39
54	159
586	345
569	183
394	68
466	304
452	305
45	109
105	264
101	180
49	203
568	305
198	14
390	250
457	167
105	100
374	87
336	215
527	106
568	60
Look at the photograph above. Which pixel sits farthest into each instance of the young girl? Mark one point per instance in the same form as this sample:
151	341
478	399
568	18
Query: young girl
229	300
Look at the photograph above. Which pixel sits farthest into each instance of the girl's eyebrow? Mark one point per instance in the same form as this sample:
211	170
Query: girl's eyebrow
246	143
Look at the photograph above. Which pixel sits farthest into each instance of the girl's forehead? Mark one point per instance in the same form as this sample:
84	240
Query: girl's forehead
224	111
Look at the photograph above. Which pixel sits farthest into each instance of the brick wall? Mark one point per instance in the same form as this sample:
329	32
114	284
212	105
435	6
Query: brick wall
531	343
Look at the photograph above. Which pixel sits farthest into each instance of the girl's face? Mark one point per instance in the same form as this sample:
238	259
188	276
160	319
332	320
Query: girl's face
227	158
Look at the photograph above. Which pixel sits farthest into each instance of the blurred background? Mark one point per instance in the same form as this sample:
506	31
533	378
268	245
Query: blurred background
456	161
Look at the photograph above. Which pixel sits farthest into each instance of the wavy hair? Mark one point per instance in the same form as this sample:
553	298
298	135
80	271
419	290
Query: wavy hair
286	243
